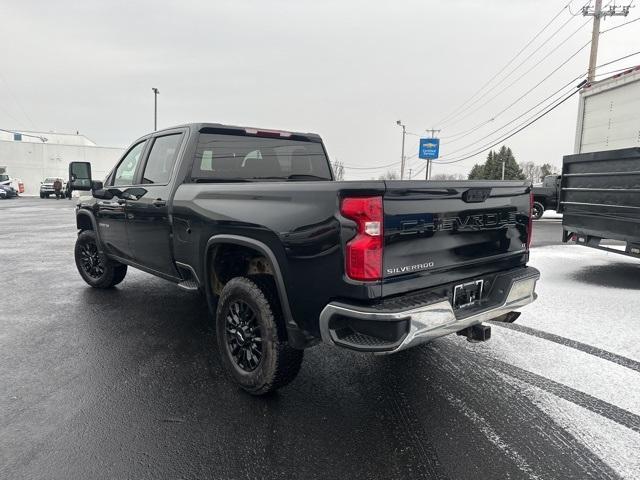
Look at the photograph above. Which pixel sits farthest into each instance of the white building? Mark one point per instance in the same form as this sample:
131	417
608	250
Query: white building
30	159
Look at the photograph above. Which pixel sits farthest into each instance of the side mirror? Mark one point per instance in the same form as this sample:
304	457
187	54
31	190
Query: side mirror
80	176
102	194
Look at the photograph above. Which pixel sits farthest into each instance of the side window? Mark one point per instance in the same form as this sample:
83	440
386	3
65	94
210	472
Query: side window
127	168
162	158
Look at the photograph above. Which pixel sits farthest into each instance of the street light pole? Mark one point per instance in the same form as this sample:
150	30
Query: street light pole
404	134
503	169
155	108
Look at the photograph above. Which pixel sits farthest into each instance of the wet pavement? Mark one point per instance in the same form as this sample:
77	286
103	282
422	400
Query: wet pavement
125	383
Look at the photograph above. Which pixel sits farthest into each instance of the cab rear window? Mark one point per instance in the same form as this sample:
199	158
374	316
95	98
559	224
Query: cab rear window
230	157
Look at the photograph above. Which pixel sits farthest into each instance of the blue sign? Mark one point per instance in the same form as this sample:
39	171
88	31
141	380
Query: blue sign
429	148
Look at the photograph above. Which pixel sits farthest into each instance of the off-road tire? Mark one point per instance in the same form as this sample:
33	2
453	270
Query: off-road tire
110	273
279	363
537	211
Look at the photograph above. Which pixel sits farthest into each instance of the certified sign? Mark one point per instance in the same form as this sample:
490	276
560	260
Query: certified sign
429	148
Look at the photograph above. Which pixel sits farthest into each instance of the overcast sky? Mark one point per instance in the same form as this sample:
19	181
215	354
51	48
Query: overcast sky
345	69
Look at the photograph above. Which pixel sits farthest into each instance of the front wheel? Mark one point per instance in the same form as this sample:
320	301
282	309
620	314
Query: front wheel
94	267
537	211
251	336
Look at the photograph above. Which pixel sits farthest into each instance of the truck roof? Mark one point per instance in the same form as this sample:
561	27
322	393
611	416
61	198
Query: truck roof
219	126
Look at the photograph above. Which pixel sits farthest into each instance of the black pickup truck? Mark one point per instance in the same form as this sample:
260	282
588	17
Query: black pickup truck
288	257
545	196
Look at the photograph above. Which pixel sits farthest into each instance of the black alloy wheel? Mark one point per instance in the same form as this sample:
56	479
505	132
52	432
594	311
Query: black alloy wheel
537	211
243	336
251	335
91	261
95	267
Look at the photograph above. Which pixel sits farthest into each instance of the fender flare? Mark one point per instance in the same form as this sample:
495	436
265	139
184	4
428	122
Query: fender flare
297	338
94	225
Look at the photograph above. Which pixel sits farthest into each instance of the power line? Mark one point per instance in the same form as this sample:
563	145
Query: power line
465	133
504	126
372	168
621	25
618	59
544	58
485	148
540	32
15	99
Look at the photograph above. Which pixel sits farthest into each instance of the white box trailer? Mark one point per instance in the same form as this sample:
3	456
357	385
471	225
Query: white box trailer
609	114
600	187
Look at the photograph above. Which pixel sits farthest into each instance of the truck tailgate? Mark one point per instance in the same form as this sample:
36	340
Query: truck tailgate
438	232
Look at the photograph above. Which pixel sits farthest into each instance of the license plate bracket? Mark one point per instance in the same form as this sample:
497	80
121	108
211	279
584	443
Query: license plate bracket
467	294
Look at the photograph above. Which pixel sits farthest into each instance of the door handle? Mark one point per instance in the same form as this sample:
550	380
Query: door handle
158	202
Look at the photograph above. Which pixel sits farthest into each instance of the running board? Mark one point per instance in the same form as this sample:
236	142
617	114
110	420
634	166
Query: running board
191	283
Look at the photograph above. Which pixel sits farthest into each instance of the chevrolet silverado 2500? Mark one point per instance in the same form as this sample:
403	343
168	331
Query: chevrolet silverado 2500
288	257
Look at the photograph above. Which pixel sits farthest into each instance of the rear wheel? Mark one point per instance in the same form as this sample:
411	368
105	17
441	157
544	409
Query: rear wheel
94	267
537	210
251	336
42	195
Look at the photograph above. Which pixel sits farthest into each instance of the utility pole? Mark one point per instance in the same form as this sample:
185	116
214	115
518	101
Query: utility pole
503	162
402	159
597	13
410	173
432	134
155	108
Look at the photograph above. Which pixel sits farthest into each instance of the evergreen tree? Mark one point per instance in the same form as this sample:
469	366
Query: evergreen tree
492	169
477	172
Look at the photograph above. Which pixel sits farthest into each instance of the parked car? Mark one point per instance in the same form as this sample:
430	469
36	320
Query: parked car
7	180
7	191
288	257
46	187
545	195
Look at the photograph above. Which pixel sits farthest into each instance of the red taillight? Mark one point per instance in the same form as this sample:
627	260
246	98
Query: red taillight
530	227
364	251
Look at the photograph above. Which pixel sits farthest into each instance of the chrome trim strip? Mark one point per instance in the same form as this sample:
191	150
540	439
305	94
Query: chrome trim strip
430	321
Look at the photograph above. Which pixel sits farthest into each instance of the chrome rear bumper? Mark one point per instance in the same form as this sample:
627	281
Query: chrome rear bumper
426	322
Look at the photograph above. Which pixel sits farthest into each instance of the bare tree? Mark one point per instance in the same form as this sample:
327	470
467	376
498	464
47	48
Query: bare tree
338	170
449	176
390	175
531	171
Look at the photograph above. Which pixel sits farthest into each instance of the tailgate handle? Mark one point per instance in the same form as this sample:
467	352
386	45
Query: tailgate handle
476	195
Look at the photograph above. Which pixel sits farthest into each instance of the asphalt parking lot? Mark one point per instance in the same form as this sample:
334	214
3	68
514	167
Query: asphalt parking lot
125	383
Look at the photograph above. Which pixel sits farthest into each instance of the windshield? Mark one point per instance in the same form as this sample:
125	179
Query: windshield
239	157
49	180
4	178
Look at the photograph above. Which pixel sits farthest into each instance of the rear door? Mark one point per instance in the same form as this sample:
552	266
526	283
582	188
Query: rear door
149	224
439	232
